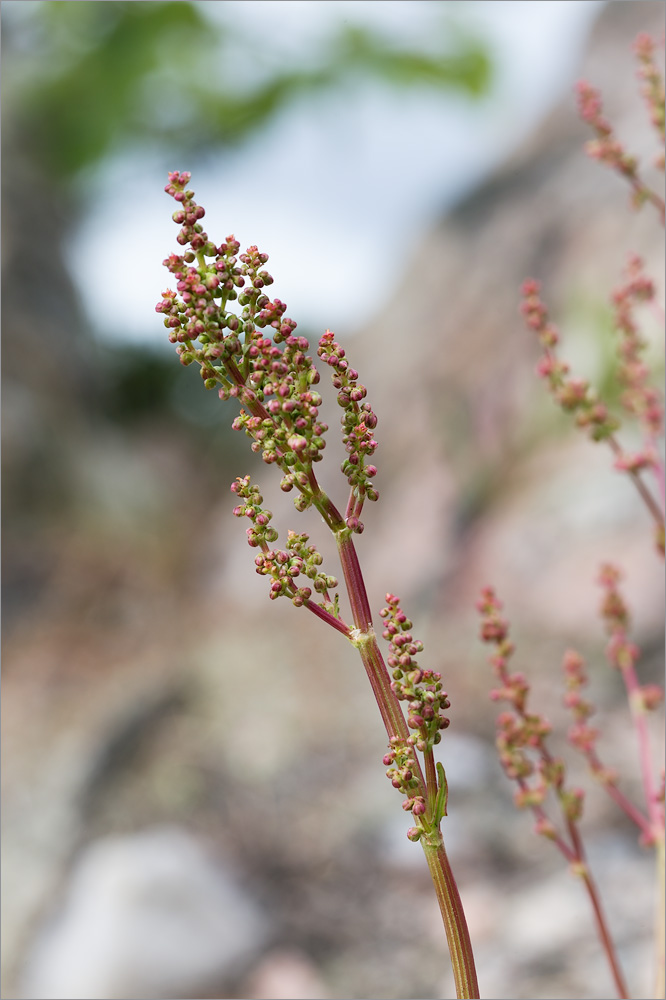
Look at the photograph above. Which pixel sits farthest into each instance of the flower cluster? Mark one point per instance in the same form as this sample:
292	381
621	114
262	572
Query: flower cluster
421	689
402	773
653	86
622	653
581	735
359	422
639	398
283	566
521	734
573	394
606	147
272	375
261	533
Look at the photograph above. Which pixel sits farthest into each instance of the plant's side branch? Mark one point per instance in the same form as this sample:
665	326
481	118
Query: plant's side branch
575	395
581	869
635	475
623	655
522	733
626	805
606	147
637	709
327	617
575	854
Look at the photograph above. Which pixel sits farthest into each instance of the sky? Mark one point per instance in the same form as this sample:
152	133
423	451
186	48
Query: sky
338	193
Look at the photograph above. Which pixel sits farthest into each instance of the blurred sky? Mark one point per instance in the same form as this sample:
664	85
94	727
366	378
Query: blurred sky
338	189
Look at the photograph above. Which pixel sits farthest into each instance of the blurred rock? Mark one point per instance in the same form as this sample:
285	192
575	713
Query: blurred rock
146	915
286	974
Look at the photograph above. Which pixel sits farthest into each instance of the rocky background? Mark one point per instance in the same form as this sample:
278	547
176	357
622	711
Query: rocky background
194	800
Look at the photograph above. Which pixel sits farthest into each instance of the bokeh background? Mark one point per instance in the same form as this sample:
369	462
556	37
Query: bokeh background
194	803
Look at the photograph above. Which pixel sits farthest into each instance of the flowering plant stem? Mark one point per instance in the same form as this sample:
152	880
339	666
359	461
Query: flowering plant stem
448	897
521	735
275	382
363	637
460	946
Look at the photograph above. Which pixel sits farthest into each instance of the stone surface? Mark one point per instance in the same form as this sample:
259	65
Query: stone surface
143	916
286	974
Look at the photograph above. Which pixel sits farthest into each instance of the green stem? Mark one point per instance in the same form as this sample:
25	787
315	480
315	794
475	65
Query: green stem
375	668
364	638
431	777
448	897
358	597
453	915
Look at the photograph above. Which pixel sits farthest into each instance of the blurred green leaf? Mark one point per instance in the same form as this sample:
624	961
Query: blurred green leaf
466	67
83	79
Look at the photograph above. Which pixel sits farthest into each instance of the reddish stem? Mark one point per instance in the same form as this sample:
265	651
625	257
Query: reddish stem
430	776
453	915
327	617
358	596
621	800
655	811
600	919
448	897
575	855
646	496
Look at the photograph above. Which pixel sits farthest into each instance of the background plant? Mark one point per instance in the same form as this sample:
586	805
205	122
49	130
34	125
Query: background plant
522	733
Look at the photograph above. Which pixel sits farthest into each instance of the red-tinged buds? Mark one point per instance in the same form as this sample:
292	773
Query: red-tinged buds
544	828
572	803
651	696
494	631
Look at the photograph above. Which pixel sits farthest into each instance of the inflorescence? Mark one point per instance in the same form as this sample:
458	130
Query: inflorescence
282	566
426	704
221	318
521	734
358	422
253	354
606	147
576	395
271	375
